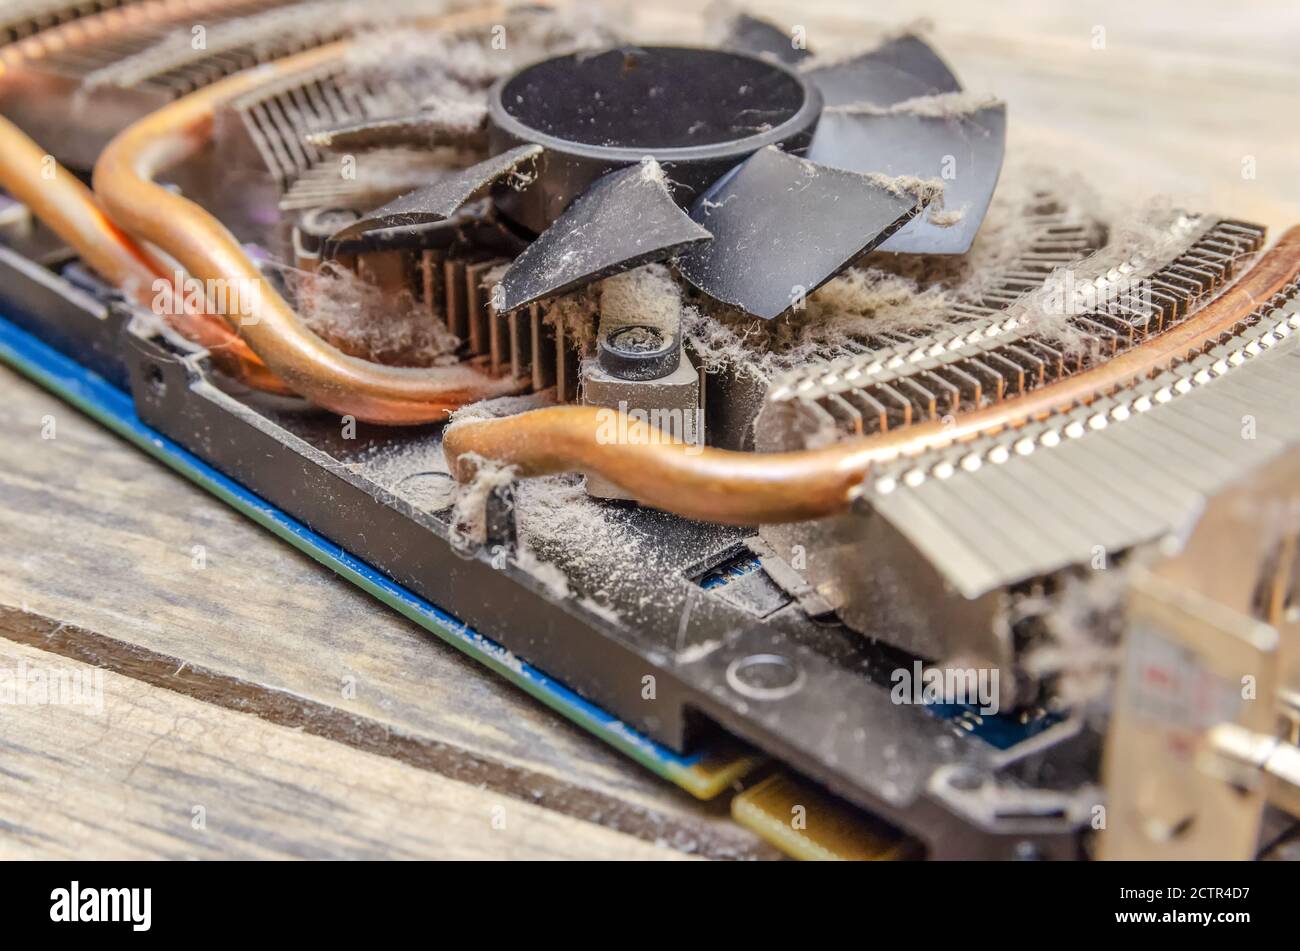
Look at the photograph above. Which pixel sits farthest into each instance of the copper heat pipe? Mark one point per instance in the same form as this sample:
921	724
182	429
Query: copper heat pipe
124	184
746	488
66	206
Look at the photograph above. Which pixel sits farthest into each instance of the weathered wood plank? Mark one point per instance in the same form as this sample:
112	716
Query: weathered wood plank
154	774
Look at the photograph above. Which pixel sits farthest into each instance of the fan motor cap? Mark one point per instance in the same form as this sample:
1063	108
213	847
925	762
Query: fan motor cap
698	112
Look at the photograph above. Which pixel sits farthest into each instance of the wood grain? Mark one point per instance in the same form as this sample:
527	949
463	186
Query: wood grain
154	774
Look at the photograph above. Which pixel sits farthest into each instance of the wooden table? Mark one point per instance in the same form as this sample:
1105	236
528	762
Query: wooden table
257	706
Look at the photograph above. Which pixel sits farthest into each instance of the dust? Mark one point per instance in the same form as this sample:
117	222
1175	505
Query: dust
946	218
644	295
552	578
1082	645
575	314
892	292
365	321
562	532
468	528
836	320
599	543
653	173
1142	238
262	33
465	63
502	406
949	105
923	191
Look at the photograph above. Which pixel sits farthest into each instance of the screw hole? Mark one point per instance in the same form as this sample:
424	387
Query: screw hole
765	676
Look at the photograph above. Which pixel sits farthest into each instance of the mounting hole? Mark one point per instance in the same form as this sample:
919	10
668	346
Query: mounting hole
764	676
434	491
157	382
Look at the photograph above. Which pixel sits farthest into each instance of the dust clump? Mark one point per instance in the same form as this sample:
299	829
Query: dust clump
924	191
464	63
1080	647
946	218
1142	240
367	322
468	528
645	295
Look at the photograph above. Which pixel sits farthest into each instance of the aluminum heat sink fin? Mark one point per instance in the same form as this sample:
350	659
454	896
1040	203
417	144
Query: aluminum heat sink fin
902	68
783	226
626	219
747	34
963	150
443	198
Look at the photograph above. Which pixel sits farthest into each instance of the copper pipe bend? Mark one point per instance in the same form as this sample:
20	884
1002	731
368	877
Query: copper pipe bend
66	206
714	485
123	182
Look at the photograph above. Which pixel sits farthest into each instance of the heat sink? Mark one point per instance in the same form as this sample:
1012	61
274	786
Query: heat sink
956	529
23	18
72	94
986	354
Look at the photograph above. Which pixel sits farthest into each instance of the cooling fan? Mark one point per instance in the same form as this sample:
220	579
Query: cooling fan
761	173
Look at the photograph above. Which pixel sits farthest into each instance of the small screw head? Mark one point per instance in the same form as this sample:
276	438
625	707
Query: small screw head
639	352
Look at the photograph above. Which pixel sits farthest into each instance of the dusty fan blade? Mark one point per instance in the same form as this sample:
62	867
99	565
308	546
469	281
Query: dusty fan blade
902	68
963	150
441	200
460	125
747	34
783	226
626	219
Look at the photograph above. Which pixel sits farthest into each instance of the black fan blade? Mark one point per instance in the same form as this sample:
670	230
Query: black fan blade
626	219
902	68
962	150
783	226
747	34
441	200
447	123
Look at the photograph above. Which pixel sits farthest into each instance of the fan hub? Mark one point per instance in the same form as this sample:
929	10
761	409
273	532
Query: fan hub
698	112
